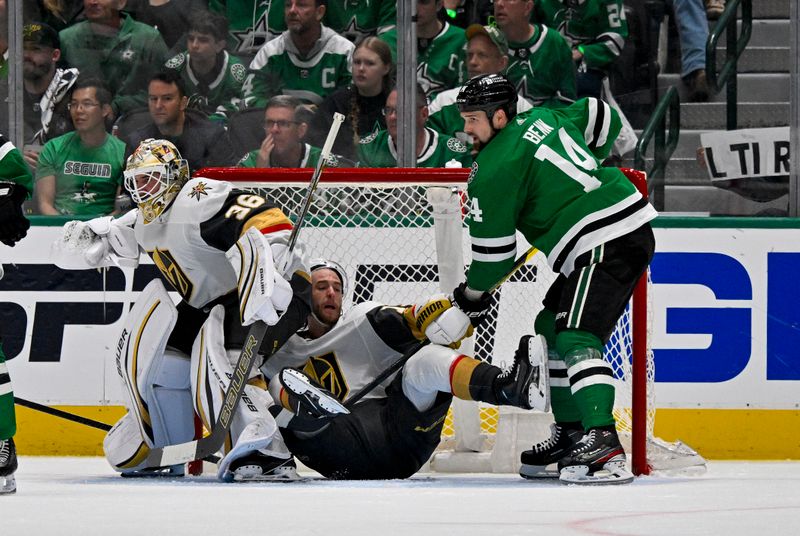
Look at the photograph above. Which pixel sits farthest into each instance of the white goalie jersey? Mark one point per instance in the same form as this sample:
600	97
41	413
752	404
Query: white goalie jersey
362	344
188	242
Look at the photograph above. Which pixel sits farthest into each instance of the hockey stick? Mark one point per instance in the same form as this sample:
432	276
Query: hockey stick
398	364
62	414
206	446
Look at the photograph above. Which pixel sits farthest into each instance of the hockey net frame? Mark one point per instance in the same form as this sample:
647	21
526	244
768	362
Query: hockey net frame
477	438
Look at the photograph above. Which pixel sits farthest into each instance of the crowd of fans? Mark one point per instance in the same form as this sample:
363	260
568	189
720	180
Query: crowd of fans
102	75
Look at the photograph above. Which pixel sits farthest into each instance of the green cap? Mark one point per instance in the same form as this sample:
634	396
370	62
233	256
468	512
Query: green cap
493	33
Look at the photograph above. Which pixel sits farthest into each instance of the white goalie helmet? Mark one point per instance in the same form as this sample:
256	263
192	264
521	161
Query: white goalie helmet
154	174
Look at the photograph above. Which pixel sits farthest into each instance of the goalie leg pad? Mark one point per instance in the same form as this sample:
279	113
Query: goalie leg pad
263	293
253	428
155	384
427	373
124	446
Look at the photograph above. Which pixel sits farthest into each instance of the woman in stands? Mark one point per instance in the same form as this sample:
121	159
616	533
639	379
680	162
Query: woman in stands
360	102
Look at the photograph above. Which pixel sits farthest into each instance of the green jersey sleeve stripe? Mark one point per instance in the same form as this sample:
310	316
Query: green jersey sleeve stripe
493	254
6	148
599	123
493	242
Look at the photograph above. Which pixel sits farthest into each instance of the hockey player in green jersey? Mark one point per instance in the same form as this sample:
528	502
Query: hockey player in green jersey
539	173
308	61
541	64
596	31
440	49
212	78
16	184
433	149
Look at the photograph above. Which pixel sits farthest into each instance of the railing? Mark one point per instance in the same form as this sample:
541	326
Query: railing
735	45
666	136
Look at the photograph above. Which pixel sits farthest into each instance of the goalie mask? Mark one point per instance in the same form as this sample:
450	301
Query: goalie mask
154	174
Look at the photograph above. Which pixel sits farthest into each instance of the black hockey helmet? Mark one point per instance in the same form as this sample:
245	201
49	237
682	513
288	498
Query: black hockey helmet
489	93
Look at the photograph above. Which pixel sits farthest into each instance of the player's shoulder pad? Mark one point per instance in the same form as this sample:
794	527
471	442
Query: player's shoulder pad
203	197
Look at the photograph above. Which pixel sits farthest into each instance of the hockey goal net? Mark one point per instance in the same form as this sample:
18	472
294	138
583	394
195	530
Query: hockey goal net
400	235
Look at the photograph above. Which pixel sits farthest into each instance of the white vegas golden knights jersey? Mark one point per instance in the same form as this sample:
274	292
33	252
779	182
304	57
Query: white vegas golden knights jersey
189	240
365	341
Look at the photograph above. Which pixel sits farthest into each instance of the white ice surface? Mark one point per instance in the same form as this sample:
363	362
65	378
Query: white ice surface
82	496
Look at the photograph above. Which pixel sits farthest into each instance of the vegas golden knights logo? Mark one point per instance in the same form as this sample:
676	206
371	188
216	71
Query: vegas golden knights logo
324	369
166	263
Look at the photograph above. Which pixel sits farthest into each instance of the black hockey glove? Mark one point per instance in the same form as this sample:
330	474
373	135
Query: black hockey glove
475	309
13	223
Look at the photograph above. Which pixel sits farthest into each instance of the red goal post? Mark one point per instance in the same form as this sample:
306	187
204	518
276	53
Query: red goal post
358	211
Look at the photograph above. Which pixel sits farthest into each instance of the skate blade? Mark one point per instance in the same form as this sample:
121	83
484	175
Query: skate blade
539	391
161	472
253	474
8	485
612	473
539	472
300	387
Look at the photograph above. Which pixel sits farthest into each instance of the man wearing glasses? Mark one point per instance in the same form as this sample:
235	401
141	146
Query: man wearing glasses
80	173
283	145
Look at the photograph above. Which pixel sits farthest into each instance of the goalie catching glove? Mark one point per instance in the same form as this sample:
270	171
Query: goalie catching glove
97	243
263	293
439	321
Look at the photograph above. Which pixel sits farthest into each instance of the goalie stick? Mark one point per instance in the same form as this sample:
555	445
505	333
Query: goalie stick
207	446
398	364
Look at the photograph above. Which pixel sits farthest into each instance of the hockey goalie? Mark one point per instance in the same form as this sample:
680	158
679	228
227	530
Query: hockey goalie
224	251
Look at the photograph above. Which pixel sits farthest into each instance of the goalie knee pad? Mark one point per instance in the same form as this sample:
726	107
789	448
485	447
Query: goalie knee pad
155	381
252	426
124	446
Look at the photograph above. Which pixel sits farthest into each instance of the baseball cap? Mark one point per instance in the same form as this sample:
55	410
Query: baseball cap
492	32
39	33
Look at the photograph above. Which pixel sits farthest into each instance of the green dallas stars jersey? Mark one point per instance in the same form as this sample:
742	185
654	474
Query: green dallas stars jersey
541	175
251	23
309	158
542	67
219	97
279	68
378	150
13	167
441	61
357	19
597	26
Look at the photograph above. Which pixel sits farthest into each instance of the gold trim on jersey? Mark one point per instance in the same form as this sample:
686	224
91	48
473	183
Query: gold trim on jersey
143	411
268	221
167	265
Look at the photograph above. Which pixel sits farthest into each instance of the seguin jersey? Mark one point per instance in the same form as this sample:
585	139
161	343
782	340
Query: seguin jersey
189	240
563	201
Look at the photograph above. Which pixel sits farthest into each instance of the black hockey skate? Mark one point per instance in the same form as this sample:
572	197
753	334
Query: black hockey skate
540	461
259	467
598	458
527	384
8	465
308	399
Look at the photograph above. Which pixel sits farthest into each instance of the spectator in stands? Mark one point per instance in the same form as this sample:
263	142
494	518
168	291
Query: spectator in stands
169	17
213	78
80	173
463	13
358	20
693	34
541	65
440	50
433	149
46	88
361	102
595	30
58	14
282	146
200	141
111	45
252	23
487	53
308	61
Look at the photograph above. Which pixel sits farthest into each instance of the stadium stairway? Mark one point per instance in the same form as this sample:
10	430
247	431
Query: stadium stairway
763	96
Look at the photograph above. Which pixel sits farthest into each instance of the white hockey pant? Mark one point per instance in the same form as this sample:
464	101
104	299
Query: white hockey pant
427	373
